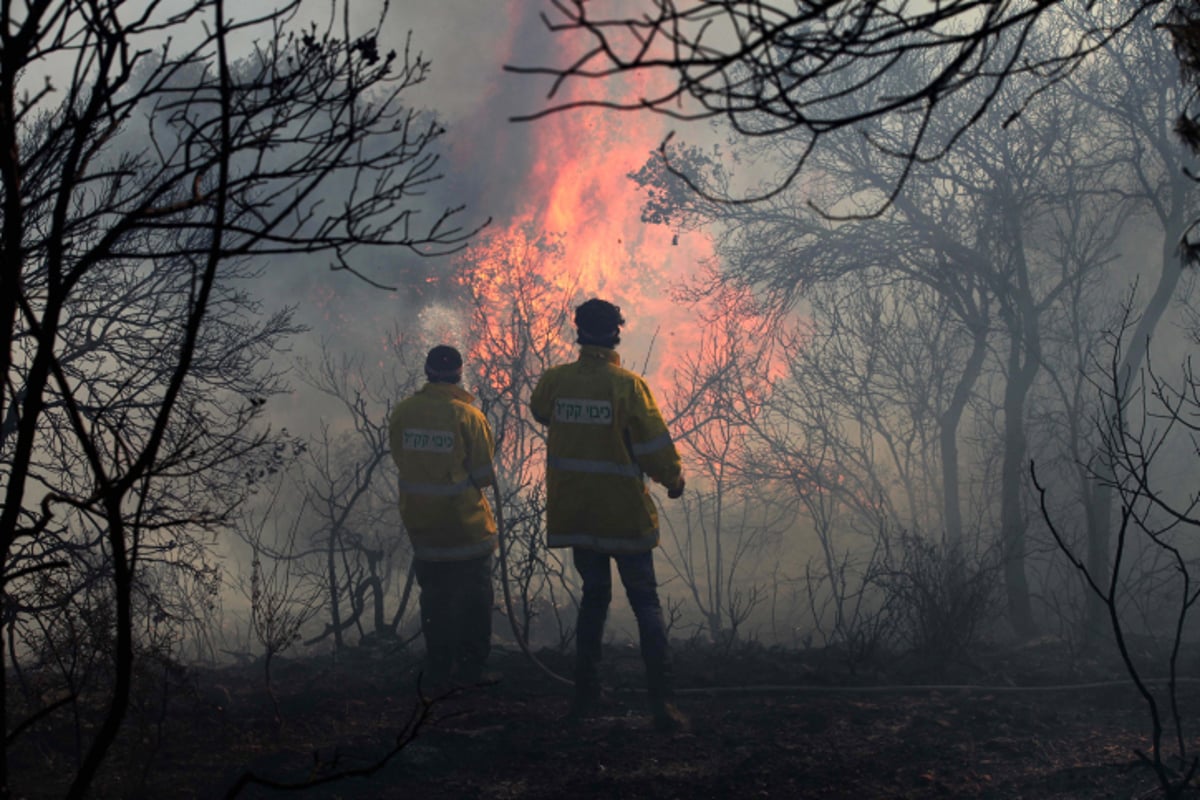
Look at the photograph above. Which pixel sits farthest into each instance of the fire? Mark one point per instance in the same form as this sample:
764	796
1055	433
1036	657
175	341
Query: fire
576	232
566	226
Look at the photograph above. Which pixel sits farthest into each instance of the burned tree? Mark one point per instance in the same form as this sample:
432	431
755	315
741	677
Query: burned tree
1145	425
715	538
767	68
1143	108
146	170
355	543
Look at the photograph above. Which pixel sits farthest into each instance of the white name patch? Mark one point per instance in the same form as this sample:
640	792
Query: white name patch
590	412
428	441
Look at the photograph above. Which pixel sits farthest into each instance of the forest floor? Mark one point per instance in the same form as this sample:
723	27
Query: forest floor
764	723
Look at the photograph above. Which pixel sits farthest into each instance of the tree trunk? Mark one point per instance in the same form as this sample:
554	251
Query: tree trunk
335	613
948	439
1099	561
122	563
1012	472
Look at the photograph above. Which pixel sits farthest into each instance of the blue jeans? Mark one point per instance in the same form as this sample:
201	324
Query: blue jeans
641	587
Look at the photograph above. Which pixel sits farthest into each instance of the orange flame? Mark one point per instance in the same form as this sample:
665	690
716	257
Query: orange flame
582	214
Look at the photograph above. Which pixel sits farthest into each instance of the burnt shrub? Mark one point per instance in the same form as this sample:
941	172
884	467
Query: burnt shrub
939	598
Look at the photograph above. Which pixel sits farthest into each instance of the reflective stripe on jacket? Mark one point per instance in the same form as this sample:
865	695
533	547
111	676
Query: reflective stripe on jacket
606	432
443	447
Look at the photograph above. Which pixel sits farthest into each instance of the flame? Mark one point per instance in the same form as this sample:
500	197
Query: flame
576	232
566	226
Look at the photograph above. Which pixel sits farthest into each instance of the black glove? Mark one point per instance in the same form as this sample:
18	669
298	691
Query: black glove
677	492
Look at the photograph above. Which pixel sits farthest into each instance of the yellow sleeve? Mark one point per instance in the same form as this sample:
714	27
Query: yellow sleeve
481	449
541	402
650	440
395	429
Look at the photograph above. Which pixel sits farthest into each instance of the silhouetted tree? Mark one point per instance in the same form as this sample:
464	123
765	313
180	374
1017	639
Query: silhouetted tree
144	168
1144	108
1146	429
715	539
810	69
348	483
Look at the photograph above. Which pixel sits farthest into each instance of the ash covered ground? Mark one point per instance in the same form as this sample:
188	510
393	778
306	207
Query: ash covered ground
764	723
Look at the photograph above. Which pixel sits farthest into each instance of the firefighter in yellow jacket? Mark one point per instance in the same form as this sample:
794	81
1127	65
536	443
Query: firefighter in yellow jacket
605	435
443	448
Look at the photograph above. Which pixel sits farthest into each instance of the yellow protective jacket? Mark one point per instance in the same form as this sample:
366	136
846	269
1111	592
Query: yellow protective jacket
443	447
606	433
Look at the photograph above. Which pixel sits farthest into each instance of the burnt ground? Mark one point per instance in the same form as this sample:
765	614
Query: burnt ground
764	723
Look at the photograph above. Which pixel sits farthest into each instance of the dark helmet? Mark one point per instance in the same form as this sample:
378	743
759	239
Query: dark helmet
443	364
599	322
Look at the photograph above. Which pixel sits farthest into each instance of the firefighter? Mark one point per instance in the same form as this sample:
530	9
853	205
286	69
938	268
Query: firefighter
443	448
605	435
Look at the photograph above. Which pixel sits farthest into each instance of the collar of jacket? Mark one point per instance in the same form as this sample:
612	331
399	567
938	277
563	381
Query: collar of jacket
602	353
450	391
